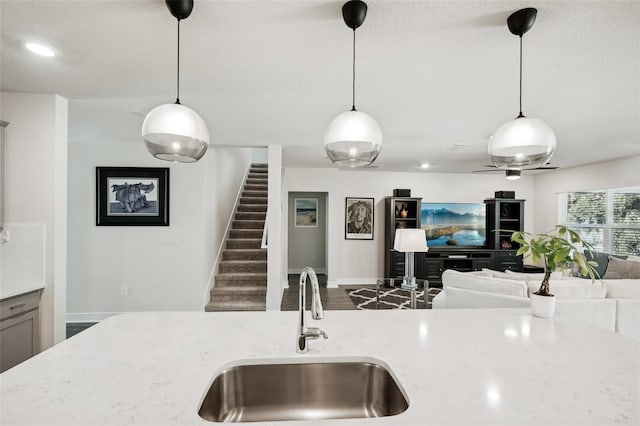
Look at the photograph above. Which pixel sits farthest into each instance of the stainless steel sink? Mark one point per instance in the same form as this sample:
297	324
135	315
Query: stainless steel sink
303	391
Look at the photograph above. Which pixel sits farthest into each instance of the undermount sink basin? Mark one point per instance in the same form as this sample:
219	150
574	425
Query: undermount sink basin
316	389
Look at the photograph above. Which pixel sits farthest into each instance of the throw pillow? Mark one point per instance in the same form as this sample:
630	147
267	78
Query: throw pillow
622	269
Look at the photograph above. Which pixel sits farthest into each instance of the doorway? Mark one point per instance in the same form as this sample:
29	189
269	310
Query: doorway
307	233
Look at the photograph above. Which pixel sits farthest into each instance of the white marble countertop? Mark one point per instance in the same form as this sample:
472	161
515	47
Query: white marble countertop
458	367
8	291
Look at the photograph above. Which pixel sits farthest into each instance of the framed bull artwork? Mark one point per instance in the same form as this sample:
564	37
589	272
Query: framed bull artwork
132	196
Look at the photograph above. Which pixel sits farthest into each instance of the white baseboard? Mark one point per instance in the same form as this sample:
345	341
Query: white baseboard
332	284
91	316
299	270
356	281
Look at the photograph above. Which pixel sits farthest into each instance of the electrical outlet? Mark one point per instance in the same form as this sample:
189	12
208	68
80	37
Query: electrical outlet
171	241
124	291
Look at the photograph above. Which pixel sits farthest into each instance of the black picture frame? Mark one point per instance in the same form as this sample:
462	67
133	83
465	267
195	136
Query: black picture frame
132	196
362	205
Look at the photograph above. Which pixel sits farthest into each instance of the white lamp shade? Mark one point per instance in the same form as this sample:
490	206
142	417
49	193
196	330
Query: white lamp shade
175	132
353	139
522	142
410	240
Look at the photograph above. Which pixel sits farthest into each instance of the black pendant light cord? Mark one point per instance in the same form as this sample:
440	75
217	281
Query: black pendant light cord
520	115
178	73
353	80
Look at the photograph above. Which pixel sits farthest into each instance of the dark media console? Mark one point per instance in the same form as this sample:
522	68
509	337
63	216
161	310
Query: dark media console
432	264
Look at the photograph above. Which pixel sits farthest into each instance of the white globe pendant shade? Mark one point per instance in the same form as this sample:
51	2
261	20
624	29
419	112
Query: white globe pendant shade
174	132
522	142
353	139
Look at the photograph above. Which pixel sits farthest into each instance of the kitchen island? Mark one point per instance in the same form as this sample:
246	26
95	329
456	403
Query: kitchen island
457	367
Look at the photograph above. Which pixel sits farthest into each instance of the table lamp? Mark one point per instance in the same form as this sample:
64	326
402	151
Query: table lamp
409	241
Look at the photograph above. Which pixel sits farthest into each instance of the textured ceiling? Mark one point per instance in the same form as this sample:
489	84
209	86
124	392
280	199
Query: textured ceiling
433	73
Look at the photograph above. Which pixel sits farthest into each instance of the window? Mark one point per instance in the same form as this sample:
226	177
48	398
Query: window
608	220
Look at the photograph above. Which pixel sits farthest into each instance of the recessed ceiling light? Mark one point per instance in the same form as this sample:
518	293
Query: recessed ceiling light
40	49
425	165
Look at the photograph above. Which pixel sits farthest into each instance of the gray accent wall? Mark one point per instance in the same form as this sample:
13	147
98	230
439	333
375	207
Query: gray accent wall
307	246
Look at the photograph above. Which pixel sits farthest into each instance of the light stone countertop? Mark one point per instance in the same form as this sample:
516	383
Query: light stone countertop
7	292
458	367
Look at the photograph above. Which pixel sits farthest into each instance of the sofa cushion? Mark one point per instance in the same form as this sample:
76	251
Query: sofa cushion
497	274
465	280
577	288
602	259
623	289
564	287
622	269
462	298
556	275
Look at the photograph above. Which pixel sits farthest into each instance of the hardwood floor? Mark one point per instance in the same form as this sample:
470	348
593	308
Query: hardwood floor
332	298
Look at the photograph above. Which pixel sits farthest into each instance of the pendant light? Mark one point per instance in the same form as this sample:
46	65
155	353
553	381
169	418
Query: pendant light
353	138
175	132
524	141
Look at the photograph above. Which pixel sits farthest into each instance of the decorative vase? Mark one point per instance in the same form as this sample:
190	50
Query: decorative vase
403	213
543	306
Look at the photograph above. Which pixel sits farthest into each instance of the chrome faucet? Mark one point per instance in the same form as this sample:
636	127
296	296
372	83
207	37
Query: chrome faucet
317	312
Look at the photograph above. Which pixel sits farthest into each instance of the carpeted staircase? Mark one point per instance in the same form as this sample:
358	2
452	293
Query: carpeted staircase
241	282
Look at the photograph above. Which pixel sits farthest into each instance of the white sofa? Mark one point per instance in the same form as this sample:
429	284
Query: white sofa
611	304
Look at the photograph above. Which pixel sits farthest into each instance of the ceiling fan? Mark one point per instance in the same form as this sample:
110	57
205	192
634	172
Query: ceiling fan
513	173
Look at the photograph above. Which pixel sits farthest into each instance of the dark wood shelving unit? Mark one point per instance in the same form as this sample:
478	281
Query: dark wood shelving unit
503	217
394	206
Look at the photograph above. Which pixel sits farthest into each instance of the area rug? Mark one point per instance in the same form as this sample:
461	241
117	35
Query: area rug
365	298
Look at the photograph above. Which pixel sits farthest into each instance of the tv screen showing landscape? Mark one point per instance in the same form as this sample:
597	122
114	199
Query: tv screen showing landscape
454	224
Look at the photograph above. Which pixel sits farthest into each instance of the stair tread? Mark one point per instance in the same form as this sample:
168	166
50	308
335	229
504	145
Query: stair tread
241	275
240	289
244	261
235	306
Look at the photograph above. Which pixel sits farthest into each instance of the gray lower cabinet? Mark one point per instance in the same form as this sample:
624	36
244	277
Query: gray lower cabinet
19	329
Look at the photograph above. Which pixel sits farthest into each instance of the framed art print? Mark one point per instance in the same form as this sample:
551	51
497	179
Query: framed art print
358	219
306	212
132	196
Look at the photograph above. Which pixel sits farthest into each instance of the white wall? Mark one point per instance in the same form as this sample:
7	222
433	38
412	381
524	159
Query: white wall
621	173
276	230
352	261
36	191
163	268
260	155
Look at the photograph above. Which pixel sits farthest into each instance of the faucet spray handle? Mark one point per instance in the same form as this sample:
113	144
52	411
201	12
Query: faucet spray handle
317	312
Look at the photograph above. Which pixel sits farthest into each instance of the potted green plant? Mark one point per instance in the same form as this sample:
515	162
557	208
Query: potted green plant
559	249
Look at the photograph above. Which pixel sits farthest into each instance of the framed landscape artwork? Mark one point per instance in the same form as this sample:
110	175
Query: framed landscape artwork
306	212
358	219
132	196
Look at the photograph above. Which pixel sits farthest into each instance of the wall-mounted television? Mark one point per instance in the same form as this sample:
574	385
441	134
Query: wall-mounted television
454	224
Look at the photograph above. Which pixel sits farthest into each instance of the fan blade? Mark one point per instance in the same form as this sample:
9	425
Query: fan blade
496	170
